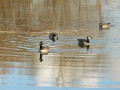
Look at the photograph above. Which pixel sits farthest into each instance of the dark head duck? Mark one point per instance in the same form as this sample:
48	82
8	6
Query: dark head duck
44	49
104	26
84	42
53	36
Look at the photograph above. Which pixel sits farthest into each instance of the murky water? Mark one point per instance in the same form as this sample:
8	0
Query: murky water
24	23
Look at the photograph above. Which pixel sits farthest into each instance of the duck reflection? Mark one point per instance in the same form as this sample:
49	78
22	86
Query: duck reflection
44	50
53	37
83	46
88	47
41	59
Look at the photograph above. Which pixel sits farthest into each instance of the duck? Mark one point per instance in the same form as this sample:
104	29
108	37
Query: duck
84	42
104	25
44	49
53	37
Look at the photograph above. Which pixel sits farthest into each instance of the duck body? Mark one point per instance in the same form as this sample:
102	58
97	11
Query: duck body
104	25
83	42
43	49
53	36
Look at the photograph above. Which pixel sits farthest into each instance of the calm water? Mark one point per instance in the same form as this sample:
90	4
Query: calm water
24	23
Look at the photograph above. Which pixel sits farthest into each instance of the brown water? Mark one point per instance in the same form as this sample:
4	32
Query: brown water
24	23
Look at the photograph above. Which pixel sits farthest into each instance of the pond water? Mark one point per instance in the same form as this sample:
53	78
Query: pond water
25	23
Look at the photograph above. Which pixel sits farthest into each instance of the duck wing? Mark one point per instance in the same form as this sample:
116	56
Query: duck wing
82	40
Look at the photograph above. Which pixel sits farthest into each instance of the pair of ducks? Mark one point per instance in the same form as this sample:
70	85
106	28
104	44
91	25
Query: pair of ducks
86	42
44	49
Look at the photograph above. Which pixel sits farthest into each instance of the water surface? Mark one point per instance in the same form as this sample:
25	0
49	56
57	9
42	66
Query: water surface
24	23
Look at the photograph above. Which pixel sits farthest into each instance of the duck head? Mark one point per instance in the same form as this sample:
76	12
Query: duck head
41	43
89	37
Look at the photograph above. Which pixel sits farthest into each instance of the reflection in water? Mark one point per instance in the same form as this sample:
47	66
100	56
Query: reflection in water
41	59
88	47
51	15
24	23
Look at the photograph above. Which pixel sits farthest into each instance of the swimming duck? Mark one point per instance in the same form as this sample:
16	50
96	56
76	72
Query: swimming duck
104	25
44	49
84	42
53	36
